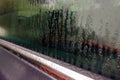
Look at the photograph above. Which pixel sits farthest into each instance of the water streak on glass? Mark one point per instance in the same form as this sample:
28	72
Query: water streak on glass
84	33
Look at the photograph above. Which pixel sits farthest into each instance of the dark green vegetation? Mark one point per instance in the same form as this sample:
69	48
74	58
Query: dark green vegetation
55	33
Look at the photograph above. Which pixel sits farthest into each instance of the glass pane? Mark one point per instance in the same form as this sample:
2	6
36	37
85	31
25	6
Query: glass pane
84	33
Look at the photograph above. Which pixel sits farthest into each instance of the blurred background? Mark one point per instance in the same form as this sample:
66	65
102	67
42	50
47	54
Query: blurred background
85	33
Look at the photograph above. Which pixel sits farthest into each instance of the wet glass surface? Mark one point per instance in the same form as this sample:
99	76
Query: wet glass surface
84	33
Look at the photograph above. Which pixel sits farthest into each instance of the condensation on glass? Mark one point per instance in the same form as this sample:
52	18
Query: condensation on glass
84	33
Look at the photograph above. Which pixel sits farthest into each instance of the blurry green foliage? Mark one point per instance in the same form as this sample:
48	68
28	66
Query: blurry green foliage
56	34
